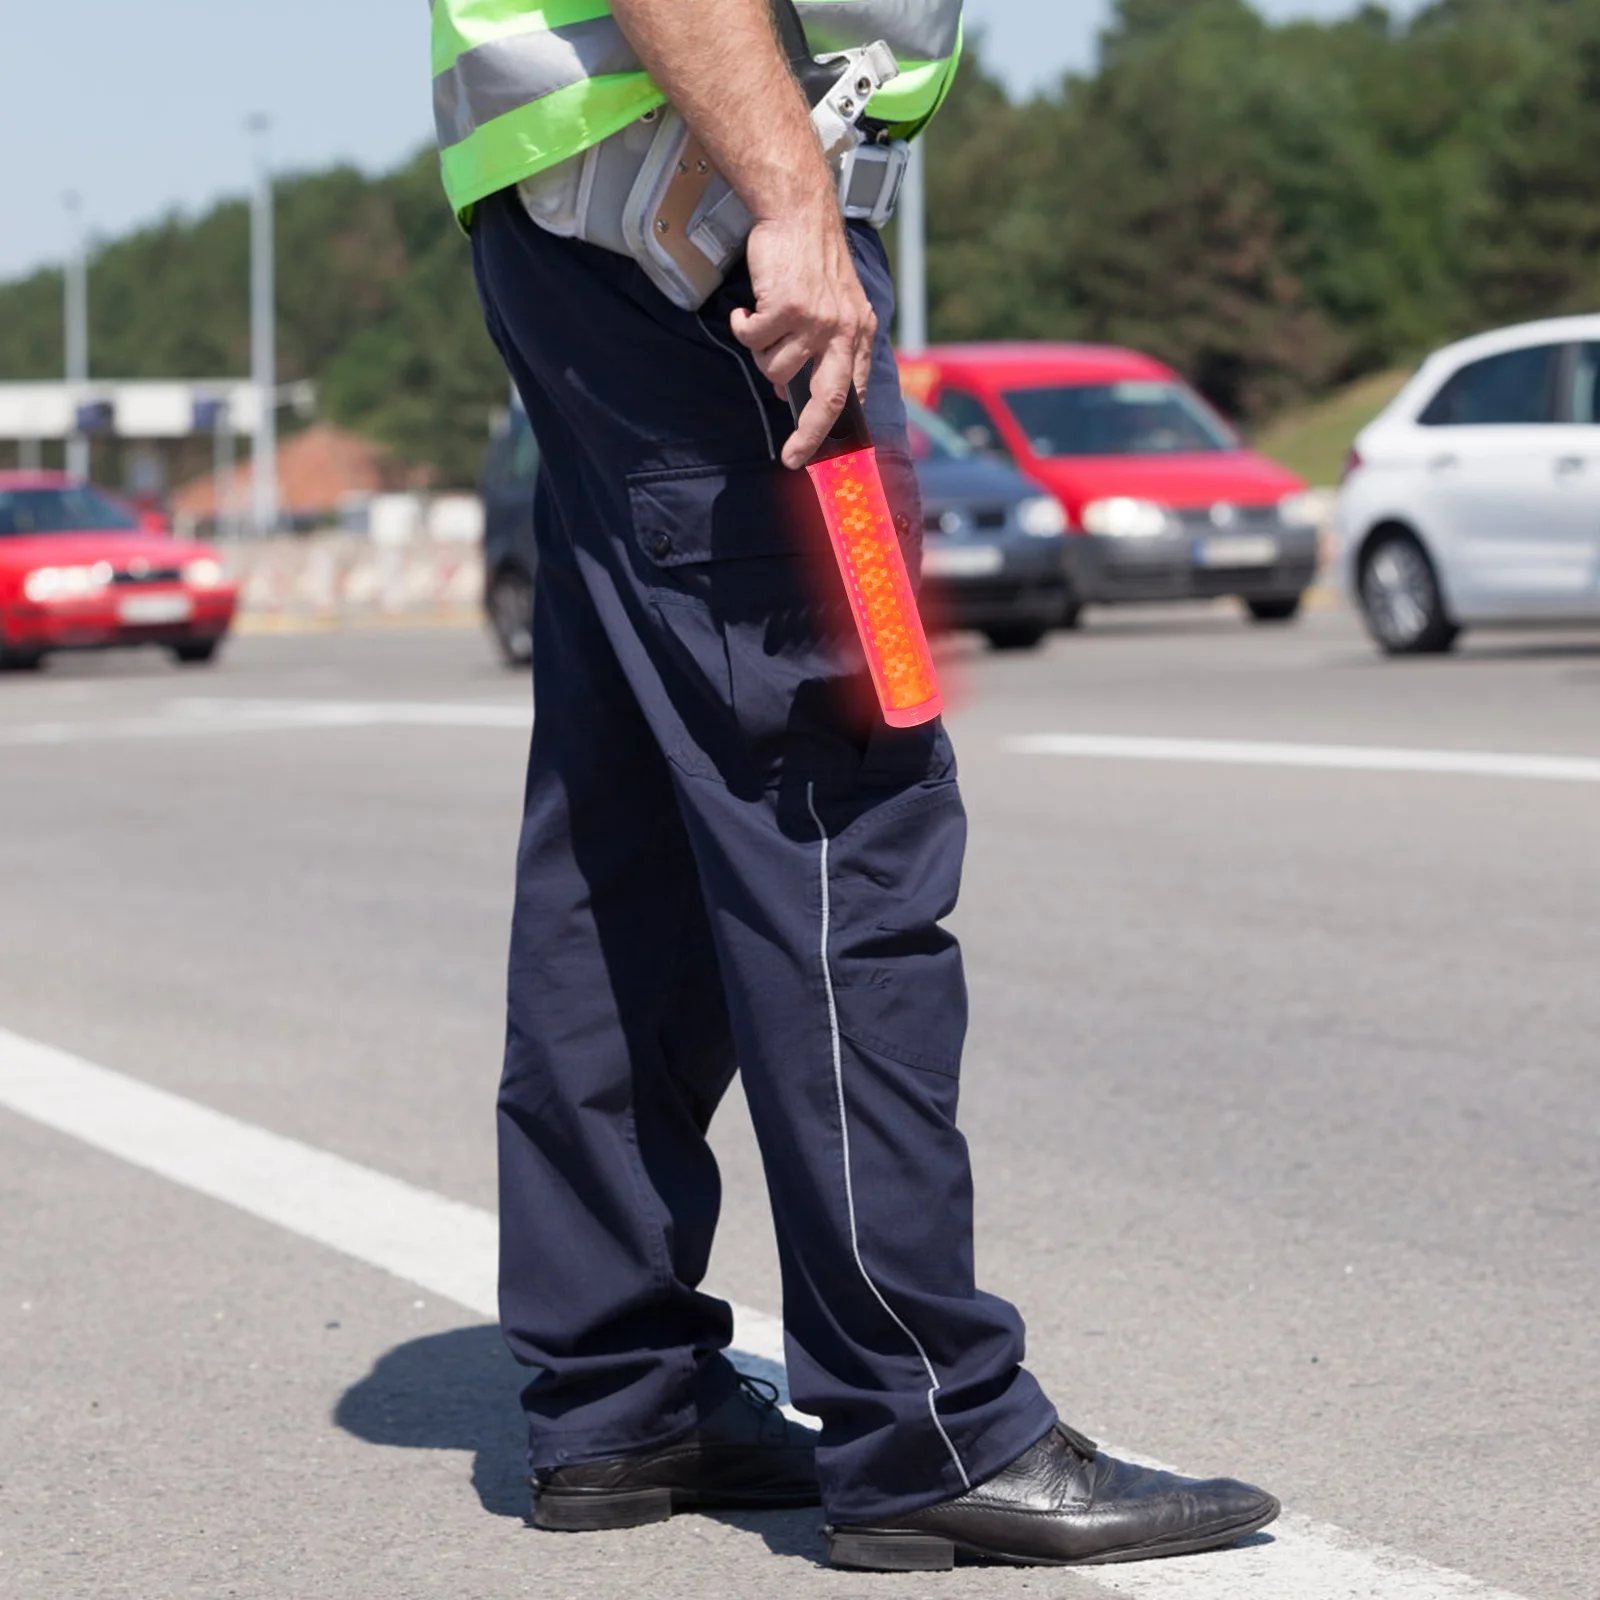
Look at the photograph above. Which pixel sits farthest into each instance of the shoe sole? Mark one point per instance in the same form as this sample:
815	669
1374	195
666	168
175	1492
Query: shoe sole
568	1511
901	1550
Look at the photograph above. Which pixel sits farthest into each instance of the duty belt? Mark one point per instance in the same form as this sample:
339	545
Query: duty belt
650	191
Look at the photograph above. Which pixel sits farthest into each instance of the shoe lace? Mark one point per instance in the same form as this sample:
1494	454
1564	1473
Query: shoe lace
762	1392
1080	1442
764	1396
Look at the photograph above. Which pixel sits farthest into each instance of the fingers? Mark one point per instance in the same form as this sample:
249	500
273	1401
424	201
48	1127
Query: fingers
864	348
810	308
767	324
782	363
830	388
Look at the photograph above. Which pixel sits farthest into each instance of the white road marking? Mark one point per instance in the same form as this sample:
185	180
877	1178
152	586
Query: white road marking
205	719
1326	757
449	1248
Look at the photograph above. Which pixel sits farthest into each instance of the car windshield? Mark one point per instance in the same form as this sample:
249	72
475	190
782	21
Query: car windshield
27	512
1117	419
932	438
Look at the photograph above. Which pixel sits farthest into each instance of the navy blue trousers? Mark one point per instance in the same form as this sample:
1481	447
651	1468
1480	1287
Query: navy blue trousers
727	862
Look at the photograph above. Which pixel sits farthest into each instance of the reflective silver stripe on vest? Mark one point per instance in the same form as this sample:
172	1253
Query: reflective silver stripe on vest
506	74
916	30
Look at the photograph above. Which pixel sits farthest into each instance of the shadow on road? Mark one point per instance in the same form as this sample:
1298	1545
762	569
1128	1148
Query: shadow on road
449	1391
460	1391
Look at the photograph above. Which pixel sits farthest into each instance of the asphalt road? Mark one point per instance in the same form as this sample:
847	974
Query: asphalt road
1281	1090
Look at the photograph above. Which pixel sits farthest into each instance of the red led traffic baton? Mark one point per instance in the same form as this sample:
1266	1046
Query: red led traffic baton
861	529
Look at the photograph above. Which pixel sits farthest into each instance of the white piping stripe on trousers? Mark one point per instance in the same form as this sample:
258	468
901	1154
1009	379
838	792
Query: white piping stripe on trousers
844	1136
749	383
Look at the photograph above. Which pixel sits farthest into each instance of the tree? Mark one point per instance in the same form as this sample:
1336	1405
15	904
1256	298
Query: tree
1535	237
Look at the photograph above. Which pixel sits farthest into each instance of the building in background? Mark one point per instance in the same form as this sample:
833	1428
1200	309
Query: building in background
326	478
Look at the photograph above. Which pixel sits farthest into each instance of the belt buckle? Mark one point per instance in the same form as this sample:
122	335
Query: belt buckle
870	177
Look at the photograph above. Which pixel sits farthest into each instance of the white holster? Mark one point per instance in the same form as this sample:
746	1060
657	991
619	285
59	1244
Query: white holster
650	191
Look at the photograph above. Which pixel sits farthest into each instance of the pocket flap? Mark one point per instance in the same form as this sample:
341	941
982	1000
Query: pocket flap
724	514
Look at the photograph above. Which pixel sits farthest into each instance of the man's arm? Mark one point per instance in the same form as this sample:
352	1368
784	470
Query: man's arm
719	63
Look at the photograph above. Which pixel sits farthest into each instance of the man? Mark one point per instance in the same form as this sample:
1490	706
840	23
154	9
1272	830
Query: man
727	860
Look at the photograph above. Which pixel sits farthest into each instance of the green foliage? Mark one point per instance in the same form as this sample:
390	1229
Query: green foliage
1277	210
1313	440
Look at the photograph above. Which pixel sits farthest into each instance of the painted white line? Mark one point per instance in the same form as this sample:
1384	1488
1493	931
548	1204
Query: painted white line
1306	1560
449	1248
1324	757
206	719
427	1239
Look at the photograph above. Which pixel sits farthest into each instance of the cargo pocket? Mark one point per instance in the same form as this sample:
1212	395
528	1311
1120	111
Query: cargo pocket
724	556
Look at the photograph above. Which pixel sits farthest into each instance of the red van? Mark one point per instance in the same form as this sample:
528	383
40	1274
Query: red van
1163	500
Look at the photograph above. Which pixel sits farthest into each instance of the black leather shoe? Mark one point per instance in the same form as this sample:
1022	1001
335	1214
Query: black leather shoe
1061	1504
745	1456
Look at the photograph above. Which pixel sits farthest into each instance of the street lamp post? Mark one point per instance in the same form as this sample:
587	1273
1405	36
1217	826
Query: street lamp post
222	468
77	332
263	341
912	222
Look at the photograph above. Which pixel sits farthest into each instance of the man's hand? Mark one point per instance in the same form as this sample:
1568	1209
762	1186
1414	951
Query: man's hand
809	307
719	63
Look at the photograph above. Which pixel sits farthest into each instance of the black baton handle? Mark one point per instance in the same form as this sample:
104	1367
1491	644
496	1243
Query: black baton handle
849	432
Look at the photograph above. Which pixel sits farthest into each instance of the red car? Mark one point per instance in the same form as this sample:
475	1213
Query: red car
80	571
1163	500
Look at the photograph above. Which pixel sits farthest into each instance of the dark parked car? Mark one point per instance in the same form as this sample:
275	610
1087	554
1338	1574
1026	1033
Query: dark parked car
993	552
994	545
509	560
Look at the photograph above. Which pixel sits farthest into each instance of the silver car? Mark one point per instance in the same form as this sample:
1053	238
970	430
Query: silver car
1474	498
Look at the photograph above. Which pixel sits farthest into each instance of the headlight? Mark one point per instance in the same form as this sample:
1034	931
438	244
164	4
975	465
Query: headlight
1304	510
1122	518
1041	516
202	573
65	583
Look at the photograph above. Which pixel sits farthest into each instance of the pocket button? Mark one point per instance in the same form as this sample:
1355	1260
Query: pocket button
661	545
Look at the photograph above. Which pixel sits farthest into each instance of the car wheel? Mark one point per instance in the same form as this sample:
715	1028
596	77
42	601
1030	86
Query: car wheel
21	660
1400	599
509	603
1284	609
195	652
1015	636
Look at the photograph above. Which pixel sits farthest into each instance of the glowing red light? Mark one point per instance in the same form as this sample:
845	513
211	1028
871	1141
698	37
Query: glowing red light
875	577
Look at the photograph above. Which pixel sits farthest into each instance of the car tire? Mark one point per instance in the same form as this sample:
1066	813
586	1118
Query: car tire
1400	598
509	603
1015	636
1283	608
196	652
20	660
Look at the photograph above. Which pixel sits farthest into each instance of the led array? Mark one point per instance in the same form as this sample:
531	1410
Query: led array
868	550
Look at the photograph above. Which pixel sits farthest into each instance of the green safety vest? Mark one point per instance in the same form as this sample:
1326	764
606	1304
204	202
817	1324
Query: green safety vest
519	86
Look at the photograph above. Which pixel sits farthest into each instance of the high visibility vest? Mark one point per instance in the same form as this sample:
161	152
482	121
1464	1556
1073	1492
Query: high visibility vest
519	85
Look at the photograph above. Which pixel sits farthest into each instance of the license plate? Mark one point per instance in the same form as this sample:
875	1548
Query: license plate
1243	551
962	560
147	610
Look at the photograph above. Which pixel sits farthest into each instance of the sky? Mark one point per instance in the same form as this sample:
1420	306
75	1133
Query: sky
141	109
